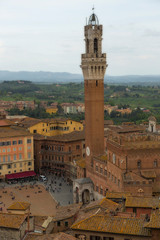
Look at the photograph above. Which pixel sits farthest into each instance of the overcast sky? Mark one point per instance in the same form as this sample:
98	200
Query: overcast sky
47	35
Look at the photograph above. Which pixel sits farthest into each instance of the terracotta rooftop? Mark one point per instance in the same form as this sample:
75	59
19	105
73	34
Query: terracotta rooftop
142	202
64	212
117	195
5	123
8	220
27	122
69	137
81	163
103	203
86	213
101	158
58	236
108	204
19	206
116	225
55	236
126	128
154	220
148	174
131	176
39	220
13	132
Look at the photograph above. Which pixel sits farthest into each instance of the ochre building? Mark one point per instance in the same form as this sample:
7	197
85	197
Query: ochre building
50	127
16	150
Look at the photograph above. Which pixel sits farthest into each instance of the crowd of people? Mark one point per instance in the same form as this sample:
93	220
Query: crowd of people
59	187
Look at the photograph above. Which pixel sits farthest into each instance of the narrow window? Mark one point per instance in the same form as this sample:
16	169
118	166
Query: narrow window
139	164
155	163
66	224
95	45
29	140
114	158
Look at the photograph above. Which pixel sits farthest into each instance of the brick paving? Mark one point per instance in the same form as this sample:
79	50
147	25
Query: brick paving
43	196
41	201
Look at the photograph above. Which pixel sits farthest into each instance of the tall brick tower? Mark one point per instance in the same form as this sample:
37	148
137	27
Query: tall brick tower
93	66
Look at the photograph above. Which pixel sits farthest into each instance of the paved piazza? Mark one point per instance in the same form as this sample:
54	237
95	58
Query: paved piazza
43	196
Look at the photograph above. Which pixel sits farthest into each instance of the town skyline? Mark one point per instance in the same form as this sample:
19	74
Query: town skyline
49	36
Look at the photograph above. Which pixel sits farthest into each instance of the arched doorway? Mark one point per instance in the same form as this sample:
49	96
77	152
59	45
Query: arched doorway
85	196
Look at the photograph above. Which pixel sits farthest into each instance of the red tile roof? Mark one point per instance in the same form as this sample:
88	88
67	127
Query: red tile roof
154	220
142	202
109	224
4	123
8	220
19	206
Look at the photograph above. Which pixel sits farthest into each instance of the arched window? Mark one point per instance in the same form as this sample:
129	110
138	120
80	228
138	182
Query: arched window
95	45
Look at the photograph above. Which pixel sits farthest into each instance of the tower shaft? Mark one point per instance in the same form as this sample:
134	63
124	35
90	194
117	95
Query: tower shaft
93	66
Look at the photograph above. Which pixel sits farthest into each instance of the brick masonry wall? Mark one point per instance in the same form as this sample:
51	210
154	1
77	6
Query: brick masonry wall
140	211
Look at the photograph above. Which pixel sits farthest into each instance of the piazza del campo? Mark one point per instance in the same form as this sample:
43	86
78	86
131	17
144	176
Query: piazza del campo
86	180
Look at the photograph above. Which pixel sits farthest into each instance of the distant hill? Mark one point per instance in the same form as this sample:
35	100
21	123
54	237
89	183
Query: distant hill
40	76
64	77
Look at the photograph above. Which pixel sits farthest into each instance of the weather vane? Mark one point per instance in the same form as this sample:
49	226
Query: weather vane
93	8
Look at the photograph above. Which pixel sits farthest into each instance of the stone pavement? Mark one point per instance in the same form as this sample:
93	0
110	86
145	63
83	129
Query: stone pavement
59	189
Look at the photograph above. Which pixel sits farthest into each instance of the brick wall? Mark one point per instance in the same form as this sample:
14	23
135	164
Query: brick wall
139	211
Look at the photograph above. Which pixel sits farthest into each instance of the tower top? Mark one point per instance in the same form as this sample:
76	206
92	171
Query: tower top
93	20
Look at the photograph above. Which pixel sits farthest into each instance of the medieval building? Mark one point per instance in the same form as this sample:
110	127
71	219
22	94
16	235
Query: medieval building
121	158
